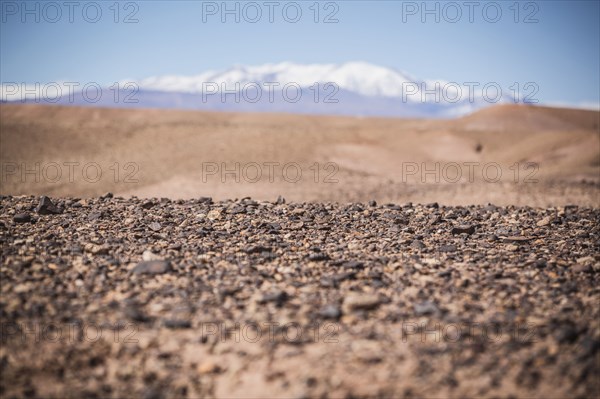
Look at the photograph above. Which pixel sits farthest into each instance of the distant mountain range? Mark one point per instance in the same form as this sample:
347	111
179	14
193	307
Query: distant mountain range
354	88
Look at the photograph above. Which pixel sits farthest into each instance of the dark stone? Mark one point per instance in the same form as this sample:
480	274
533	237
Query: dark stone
22	218
516	239
319	257
337	278
95	215
463	229
417	244
277	296
445	273
447	248
257	249
353	264
147	204
134	313
177	323
47	207
567	334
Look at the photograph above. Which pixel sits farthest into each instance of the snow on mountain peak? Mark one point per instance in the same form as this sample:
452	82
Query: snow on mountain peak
358	77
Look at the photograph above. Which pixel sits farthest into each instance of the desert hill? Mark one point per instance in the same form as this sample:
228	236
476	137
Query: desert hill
168	153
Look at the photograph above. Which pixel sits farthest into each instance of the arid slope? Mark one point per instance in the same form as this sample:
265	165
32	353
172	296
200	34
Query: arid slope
181	154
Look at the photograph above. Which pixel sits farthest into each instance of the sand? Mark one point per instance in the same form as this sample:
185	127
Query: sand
517	155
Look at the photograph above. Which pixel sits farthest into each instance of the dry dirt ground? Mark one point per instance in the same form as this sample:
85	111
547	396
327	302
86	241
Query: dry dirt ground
506	155
113	297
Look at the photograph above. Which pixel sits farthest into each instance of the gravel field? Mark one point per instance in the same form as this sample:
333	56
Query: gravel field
113	297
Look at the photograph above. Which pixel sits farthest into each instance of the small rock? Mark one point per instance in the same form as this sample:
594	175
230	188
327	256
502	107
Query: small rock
177	323
155	226
46	207
445	273
208	367
318	257
237	210
22	218
96	249
147	204
277	296
447	248
136	314
567	334
214	214
257	249
512	247
330	312
296	226
425	308
418	244
355	301
463	229
152	267
585	259
95	215
544	222
583	268
353	264
517	239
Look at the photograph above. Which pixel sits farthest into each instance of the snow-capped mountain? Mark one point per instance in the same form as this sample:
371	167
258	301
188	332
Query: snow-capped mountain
354	88
358	77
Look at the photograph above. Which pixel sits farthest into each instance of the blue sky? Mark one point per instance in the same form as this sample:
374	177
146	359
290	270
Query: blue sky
558	49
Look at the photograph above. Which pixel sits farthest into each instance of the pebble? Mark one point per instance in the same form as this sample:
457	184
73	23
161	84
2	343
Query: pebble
214	214
355	301
177	323
155	226
47	207
463	229
277	296
152	267
22	218
330	312
425	308
147	204
208	367
447	248
544	222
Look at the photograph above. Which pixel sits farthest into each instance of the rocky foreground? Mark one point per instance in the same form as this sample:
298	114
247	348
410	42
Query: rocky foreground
113	297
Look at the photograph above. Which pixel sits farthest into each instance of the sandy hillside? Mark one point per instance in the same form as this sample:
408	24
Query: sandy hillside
60	151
